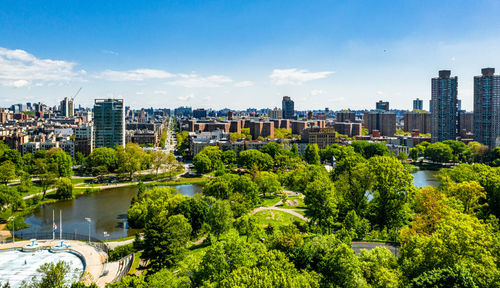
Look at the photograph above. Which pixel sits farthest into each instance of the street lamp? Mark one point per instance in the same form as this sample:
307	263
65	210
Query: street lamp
88	220
11	218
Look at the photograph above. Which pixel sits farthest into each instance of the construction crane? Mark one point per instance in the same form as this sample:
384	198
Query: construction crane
77	92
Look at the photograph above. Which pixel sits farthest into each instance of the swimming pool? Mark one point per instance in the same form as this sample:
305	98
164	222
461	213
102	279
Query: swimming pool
16	265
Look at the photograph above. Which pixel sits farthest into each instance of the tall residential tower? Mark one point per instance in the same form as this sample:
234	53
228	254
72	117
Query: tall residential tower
487	108
444	109
109	123
287	108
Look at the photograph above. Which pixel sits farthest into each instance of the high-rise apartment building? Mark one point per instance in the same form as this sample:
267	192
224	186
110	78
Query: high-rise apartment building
420	121
276	113
288	108
487	108
67	108
346	116
381	105
418	104
385	123
444	107
84	139
109	123
200	113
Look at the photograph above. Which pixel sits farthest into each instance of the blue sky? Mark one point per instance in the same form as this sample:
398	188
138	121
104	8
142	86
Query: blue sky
238	54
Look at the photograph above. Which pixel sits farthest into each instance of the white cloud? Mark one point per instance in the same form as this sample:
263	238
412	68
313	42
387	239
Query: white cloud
316	92
243	84
139	93
296	76
19	68
160	92
17	83
380	92
133	75
186	97
196	81
110	52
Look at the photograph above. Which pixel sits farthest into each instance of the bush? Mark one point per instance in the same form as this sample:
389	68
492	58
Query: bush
18	223
121	251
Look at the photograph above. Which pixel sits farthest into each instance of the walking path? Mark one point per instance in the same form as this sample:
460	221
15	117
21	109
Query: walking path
289	211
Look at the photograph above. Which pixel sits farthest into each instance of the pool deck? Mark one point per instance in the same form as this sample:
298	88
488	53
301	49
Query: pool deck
94	259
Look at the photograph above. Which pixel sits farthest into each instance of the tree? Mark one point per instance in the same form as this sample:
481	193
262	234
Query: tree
271	148
355	225
171	164
454	276
247	226
229	157
458	239
62	161
254	158
130	158
341	268
321	203
165	240
220	217
103	157
439	152
312	154
151	203
268	183
392	191
158	159
202	163
7	171
51	275
196	212
471	195
380	268
46	180
64	188
353	185
369	149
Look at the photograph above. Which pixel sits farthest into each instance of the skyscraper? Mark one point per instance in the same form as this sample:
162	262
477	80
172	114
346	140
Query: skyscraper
381	105
418	104
67	109
487	108
287	107
109	123
444	107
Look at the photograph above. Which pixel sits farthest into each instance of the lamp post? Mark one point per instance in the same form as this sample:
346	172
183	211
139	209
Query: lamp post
12	218
88	220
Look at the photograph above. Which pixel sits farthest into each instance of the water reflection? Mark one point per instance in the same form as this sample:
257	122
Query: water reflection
107	209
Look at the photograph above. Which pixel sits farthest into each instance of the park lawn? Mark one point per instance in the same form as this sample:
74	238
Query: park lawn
269	201
300	201
79	180
301	211
277	218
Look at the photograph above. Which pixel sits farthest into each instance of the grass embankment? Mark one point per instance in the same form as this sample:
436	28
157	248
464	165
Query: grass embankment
135	265
277	218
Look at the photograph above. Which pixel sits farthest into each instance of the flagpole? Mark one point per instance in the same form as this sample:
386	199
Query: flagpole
53	228
60	224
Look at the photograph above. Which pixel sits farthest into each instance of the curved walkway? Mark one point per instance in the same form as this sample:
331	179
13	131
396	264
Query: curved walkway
289	211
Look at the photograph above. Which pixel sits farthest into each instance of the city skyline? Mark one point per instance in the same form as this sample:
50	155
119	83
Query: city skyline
239	55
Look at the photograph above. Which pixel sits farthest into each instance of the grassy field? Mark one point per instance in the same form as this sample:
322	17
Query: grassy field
270	200
277	218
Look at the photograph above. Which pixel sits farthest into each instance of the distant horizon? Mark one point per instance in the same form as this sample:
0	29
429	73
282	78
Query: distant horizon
244	54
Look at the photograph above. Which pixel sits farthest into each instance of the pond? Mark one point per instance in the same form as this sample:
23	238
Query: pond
107	210
423	178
